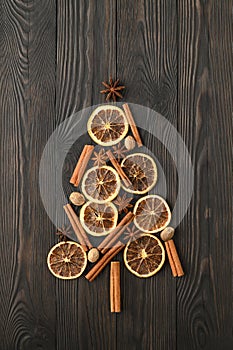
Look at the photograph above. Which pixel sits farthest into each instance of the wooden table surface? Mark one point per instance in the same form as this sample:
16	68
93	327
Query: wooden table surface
174	57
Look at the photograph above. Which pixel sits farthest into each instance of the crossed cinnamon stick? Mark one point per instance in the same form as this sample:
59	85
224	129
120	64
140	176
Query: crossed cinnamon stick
100	265
81	165
110	247
109	241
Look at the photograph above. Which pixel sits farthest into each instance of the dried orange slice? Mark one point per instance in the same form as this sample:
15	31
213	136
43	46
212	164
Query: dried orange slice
107	125
101	185
152	214
98	219
144	256
141	171
67	260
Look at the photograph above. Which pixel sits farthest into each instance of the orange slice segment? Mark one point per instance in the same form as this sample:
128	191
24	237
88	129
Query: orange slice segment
141	171
101	185
98	219
107	125
67	260
144	256
152	214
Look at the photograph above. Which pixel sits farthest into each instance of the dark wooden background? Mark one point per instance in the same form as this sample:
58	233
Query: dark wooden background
174	57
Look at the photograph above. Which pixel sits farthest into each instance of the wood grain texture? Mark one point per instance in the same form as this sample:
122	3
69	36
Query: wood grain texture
204	121
174	57
27	71
86	53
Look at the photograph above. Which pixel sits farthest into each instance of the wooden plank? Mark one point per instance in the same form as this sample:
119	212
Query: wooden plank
27	85
146	63
86	55
37	311
204	121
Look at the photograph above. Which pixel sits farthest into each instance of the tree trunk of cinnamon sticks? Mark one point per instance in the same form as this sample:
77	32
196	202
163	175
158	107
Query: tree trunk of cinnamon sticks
115	291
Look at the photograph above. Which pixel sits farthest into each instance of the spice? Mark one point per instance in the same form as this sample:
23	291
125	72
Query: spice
167	233
175	257
77	198
123	203
115	291
172	254
129	143
100	158
77	227
93	255
119	151
170	259
118	168
63	233
131	234
81	165
132	124
100	265
109	241
112	89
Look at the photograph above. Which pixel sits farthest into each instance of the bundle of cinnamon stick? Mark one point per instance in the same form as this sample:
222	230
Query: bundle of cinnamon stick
173	258
81	165
110	247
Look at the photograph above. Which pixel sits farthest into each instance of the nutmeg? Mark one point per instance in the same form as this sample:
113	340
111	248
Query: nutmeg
167	234
129	143
77	198
93	255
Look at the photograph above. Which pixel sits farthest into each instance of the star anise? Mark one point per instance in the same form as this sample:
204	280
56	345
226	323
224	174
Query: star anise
131	234
100	158
119	151
63	233
112	89
123	203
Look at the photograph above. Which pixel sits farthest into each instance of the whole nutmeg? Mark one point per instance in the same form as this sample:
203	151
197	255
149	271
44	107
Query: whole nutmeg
129	143
93	255
77	198
167	234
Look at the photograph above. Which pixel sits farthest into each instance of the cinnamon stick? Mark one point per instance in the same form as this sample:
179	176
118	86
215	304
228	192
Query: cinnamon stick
175	258
117	235
170	259
78	225
81	165
122	225
100	265
115	292
74	176
119	169
75	228
132	124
